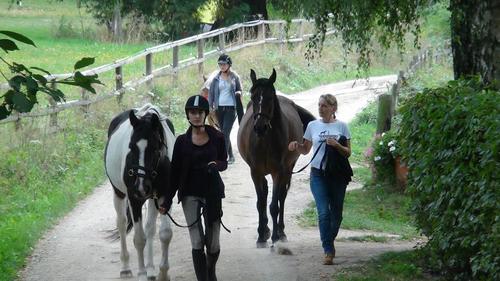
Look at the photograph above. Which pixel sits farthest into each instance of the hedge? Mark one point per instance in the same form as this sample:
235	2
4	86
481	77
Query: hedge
450	139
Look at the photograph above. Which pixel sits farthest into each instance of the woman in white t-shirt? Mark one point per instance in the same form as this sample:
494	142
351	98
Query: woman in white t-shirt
328	192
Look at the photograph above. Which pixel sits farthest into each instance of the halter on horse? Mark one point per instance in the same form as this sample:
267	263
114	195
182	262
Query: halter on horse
269	124
137	159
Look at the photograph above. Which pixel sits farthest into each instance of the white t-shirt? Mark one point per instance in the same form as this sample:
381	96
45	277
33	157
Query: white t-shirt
225	96
317	131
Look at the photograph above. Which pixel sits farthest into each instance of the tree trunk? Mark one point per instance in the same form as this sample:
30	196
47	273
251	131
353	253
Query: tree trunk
258	7
475	28
117	22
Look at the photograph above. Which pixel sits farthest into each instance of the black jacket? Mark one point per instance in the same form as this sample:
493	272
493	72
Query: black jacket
337	165
182	162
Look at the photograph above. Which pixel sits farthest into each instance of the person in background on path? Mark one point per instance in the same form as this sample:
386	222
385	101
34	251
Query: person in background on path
224	97
328	192
198	155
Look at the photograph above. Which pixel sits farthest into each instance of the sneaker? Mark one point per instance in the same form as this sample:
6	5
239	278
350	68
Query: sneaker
230	160
328	259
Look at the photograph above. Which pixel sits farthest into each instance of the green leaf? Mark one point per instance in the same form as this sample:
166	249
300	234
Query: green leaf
8	45
31	86
4	112
41	69
18	37
84	62
40	78
16	81
21	103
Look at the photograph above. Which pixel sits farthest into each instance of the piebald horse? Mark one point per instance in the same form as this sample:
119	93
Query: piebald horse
137	160
266	129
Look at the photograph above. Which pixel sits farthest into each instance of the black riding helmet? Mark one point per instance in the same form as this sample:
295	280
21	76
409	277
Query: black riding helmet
225	59
196	102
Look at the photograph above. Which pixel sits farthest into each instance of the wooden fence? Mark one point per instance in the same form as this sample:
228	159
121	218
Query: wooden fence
388	102
268	32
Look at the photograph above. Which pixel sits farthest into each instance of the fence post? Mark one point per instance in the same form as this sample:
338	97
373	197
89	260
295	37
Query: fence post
281	36
200	43
149	69
384	113
84	106
301	30
52	102
175	64
262	32
222	43
241	35
430	57
119	83
17	123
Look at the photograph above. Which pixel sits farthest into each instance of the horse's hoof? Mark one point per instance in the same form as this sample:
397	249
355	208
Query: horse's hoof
261	244
126	274
283	238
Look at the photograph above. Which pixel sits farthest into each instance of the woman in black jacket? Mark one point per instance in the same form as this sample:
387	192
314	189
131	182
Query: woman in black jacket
198	154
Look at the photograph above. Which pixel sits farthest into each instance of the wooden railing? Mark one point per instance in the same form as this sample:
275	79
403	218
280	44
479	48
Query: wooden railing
268	31
388	102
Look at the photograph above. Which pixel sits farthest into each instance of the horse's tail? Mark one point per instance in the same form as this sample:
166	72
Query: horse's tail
305	116
114	235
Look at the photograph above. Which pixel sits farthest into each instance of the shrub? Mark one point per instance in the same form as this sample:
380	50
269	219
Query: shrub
450	137
382	156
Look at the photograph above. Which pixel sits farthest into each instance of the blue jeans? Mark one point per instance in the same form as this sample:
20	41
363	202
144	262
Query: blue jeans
329	196
226	116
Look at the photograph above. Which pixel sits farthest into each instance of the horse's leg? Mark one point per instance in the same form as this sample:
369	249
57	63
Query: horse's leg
274	207
261	189
165	238
282	197
139	239
150	229
120	205
277	206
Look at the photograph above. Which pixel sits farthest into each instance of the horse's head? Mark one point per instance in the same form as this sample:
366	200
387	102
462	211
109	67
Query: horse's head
146	148
264	102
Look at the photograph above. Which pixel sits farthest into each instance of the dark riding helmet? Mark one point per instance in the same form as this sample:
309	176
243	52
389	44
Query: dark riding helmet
225	59
197	102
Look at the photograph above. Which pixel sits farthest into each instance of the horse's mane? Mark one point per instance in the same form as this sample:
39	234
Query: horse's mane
150	109
305	115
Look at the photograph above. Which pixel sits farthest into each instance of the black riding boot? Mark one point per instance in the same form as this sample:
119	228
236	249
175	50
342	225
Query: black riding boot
200	264
211	262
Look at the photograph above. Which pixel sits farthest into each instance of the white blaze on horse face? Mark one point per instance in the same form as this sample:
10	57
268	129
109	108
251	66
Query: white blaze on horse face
142	144
260	104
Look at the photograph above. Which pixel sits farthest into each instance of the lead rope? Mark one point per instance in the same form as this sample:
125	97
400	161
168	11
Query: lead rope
314	155
187	226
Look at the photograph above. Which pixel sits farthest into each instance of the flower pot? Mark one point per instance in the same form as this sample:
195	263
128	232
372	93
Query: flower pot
401	172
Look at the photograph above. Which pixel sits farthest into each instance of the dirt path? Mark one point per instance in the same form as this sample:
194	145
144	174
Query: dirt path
75	249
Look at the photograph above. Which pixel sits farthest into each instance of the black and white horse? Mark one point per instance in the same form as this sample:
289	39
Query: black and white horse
137	159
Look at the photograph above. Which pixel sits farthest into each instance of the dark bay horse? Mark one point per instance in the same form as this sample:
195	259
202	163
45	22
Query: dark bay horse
137	160
270	123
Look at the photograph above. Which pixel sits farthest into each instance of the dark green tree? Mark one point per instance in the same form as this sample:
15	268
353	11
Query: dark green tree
177	17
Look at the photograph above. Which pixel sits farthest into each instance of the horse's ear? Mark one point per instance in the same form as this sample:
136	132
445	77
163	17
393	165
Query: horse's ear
272	79
133	119
253	76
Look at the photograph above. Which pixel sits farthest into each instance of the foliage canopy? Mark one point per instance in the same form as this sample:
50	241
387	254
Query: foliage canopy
359	22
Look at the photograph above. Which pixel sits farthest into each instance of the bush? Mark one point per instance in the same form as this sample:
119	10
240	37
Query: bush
450	137
382	156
